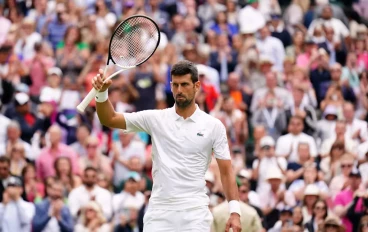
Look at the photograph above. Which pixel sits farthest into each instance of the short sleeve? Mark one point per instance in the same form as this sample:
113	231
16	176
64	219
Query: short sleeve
139	121
338	200
220	145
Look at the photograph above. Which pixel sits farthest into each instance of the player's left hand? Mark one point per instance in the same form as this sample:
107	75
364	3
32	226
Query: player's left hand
233	223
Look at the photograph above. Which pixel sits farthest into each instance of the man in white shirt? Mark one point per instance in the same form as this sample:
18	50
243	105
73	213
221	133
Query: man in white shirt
89	191
122	151
287	145
271	47
340	135
251	17
13	133
356	129
184	138
341	31
15	213
266	161
129	199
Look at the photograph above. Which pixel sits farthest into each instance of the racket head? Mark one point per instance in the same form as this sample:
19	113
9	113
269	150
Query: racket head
134	41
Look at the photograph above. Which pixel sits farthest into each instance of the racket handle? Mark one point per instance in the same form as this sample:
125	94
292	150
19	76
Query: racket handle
83	105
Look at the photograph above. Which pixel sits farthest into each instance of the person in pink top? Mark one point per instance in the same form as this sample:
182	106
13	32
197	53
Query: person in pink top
48	155
344	199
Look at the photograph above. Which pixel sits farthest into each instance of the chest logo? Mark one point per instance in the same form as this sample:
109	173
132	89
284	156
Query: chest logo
199	134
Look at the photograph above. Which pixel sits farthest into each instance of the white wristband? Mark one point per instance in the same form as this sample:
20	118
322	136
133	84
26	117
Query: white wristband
102	96
234	207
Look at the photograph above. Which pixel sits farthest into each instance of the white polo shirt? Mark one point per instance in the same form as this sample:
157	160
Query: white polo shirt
181	154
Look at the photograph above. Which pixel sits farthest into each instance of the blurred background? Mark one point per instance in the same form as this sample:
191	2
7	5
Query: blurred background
287	78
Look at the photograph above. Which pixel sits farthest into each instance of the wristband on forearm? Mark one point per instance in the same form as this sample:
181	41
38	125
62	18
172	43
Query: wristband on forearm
234	207
102	96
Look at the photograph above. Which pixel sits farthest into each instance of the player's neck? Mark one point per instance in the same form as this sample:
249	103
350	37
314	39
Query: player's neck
187	111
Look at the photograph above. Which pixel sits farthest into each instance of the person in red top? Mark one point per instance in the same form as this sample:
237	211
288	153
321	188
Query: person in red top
209	91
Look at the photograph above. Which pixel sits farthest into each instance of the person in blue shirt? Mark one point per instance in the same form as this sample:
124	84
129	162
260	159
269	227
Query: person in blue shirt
52	214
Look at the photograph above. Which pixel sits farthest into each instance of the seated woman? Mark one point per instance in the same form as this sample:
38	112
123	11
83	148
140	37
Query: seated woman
34	189
92	219
63	170
17	159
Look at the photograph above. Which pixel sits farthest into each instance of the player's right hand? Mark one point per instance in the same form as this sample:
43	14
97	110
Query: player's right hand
98	82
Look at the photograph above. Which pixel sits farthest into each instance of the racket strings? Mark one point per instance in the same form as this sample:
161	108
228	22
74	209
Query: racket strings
134	41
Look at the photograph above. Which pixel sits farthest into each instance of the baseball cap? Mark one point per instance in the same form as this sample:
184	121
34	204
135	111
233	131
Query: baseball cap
55	70
274	173
245	174
286	209
14	182
21	99
267	141
134	176
275	16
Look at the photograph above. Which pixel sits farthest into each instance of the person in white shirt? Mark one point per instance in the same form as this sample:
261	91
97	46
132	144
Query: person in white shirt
122	151
356	129
340	29
13	133
15	213
89	191
271	47
184	138
251	17
129	199
4	122
340	135
266	161
287	145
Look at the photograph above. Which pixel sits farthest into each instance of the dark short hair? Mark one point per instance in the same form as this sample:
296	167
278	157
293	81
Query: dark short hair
90	168
185	67
4	159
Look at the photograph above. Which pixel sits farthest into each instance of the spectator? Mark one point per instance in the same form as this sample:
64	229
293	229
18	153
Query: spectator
271	47
51	213
55	28
17	159
92	219
13	134
63	172
127	203
266	161
279	31
45	161
249	219
332	224
89	191
251	16
16	213
310	196
331	165
83	132
5	176
33	189
320	213
286	145
25	45
95	158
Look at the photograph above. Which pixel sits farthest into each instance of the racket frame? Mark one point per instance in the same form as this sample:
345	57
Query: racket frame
92	94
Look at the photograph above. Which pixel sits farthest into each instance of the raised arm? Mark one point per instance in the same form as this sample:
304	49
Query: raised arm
105	111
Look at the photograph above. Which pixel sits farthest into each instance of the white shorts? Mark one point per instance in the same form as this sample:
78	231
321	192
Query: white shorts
191	220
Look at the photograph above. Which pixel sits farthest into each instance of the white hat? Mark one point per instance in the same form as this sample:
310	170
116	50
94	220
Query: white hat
267	141
274	173
55	70
21	98
202	69
248	29
245	174
311	190
330	109
209	176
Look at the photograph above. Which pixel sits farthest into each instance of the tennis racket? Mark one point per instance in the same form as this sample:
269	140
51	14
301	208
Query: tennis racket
133	42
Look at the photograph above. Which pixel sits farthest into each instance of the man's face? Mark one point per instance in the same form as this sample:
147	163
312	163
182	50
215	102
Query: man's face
55	135
336	73
348	112
13	133
271	81
269	151
326	13
184	90
340	129
55	191
295	126
355	182
135	164
82	134
243	193
90	178
303	150
131	186
4	170
275	183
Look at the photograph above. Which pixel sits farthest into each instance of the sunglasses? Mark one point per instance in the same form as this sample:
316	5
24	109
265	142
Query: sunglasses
346	165
364	224
332	225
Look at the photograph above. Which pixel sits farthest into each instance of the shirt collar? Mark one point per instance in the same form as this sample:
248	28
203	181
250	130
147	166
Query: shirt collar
194	117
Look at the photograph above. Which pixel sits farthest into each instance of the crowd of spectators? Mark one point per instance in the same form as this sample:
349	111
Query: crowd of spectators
288	79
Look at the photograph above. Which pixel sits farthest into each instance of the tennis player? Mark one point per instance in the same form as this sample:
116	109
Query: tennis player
183	140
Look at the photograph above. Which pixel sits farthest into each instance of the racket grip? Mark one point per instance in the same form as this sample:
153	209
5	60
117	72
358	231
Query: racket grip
83	105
